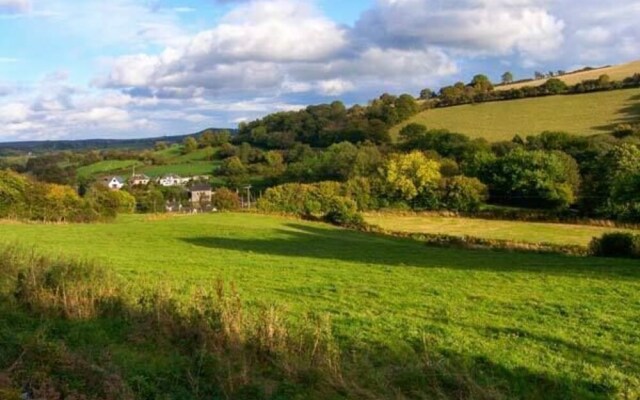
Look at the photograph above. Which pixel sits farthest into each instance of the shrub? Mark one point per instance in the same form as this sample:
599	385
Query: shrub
225	199
343	212
322	199
461	193
105	201
617	244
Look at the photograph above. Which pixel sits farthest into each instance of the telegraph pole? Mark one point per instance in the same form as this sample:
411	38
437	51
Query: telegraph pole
248	188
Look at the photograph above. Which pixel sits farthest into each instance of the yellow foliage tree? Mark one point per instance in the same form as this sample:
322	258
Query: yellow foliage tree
408	176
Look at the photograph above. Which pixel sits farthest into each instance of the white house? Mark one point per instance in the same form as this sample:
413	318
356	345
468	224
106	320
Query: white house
114	182
173	180
139	180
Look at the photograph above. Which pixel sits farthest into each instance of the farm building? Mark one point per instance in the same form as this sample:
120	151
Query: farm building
200	193
113	182
139	180
173	180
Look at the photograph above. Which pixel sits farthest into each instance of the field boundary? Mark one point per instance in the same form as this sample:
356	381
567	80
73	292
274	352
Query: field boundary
477	243
513	216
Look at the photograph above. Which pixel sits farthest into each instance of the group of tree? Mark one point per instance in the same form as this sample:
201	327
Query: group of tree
24	198
327	124
439	170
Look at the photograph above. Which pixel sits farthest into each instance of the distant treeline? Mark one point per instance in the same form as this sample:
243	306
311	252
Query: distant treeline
9	148
481	90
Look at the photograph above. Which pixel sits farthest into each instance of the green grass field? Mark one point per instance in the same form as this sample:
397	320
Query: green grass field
531	232
541	326
194	163
103	167
584	114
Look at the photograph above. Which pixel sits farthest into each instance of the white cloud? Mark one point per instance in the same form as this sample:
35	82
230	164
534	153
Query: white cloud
14	6
485	27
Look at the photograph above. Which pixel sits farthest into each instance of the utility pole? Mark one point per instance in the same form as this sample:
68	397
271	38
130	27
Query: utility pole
248	196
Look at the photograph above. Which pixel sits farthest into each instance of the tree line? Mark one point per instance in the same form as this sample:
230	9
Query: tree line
481	90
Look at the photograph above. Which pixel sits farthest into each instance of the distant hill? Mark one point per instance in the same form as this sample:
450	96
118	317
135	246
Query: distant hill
616	72
580	114
92	144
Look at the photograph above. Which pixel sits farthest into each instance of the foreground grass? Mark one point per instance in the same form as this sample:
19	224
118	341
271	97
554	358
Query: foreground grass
530	232
584	114
522	325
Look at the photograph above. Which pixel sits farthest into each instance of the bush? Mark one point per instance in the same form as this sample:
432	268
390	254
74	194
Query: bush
318	200
343	212
225	199
617	244
462	194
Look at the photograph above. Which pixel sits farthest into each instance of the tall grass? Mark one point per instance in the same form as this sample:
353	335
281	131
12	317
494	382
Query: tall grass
244	349
219	348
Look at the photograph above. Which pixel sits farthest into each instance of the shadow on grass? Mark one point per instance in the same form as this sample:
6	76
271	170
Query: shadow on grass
350	246
629	114
91	357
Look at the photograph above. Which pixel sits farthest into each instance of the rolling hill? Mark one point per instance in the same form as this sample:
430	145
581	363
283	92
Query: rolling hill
615	72
583	114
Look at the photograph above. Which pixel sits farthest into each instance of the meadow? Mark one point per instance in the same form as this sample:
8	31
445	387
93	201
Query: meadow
583	114
106	166
198	162
530	232
517	325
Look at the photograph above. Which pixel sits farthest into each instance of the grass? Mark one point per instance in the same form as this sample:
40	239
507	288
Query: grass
584	114
616	73
523	325
194	163
103	167
530	232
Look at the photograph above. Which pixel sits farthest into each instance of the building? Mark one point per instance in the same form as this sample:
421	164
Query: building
200	194
139	180
113	182
173	180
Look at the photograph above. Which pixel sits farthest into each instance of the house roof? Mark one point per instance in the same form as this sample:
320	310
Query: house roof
110	178
140	177
200	187
173	176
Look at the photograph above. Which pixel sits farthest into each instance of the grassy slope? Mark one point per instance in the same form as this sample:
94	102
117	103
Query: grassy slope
584	114
103	167
533	232
616	72
549	319
195	163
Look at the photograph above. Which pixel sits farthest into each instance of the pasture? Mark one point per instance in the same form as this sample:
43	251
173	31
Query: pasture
198	162
530	232
520	325
103	167
583	114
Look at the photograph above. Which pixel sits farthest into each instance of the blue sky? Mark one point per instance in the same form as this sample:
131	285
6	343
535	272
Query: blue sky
134	68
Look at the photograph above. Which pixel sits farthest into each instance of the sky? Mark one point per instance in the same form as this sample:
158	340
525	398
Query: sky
74	69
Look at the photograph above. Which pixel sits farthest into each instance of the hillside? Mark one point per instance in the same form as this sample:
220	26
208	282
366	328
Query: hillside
584	114
615	72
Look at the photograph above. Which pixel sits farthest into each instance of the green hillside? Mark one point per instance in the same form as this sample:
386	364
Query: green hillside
584	114
198	162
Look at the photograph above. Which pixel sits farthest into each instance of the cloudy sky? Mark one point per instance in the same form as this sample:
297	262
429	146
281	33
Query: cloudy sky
133	68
